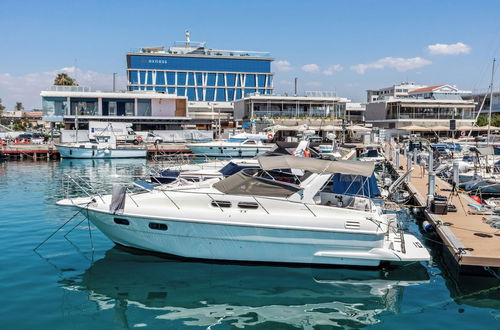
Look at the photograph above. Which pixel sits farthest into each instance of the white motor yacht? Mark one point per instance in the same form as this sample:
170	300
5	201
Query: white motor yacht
247	148
285	212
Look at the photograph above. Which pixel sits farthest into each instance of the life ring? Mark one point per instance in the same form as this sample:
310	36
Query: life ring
138	138
270	136
462	133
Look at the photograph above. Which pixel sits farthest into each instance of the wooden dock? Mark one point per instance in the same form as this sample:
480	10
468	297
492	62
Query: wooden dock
48	151
472	242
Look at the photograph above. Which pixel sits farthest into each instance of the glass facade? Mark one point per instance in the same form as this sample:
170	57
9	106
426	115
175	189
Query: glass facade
401	111
54	106
200	78
83	106
283	109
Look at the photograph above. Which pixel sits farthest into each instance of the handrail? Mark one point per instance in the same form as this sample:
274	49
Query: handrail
255	198
164	193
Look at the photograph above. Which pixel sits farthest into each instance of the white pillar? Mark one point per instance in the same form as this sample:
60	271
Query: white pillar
99	106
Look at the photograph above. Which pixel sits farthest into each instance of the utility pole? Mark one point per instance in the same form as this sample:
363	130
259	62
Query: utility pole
491	99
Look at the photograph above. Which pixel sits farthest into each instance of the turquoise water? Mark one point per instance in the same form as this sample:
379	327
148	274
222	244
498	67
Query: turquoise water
69	285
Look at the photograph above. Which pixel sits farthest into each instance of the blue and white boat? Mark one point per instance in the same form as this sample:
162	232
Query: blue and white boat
104	148
246	148
255	215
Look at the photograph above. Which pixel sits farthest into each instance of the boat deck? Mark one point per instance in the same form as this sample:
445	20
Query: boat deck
471	241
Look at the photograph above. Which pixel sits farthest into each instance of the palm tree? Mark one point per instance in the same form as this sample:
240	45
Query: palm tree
2	107
19	106
63	79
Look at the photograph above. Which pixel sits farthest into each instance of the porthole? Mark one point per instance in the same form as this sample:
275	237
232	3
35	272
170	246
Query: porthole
248	205
121	221
158	226
221	203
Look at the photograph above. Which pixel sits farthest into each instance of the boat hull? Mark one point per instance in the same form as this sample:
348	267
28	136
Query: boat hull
228	151
89	153
243	243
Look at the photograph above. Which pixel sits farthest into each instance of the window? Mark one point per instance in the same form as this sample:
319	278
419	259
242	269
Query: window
121	221
248	205
221	203
158	226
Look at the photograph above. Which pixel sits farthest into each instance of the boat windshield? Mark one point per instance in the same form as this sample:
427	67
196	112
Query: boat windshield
232	168
102	139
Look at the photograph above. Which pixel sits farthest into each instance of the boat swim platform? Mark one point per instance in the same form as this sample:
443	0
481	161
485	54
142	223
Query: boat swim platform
472	242
49	151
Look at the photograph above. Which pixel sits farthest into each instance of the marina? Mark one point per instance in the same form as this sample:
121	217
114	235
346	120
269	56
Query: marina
93	282
473	244
250	165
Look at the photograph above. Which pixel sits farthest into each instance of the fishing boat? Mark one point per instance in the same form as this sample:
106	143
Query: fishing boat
247	148
103	148
285	212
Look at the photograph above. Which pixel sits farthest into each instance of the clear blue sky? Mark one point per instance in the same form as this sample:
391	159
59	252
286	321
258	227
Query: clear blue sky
390	38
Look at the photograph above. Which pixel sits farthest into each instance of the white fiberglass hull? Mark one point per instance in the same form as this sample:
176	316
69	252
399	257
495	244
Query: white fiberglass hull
90	153
235	150
177	232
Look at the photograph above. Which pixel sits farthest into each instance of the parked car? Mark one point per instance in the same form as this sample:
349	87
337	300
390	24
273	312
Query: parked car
54	133
25	137
37	138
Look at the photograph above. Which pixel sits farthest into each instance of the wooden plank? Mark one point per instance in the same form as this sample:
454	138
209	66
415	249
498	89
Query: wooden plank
460	233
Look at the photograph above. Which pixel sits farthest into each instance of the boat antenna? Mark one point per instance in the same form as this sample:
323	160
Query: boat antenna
491	99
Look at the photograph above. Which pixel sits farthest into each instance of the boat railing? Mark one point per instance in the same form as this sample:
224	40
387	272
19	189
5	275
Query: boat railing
75	185
259	200
82	185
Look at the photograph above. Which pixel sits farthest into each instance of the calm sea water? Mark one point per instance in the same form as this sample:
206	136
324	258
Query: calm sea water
69	285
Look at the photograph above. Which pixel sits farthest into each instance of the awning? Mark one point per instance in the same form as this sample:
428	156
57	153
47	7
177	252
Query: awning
357	128
244	184
353	167
440	128
414	128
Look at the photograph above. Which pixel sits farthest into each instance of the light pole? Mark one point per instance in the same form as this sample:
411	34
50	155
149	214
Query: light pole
114	81
219	125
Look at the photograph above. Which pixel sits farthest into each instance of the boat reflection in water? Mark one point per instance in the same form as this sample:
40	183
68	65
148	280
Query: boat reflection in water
204	294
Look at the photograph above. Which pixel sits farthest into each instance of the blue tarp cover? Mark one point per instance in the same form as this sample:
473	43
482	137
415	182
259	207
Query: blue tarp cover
355	185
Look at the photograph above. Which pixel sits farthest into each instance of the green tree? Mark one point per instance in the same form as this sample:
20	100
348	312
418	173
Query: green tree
482	121
62	79
495	121
2	108
19	106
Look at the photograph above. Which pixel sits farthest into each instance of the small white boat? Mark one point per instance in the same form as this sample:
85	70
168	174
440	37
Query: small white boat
283	213
104	148
247	148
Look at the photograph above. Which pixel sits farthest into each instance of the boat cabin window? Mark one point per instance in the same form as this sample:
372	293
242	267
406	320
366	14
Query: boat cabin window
250	142
102	139
158	226
248	205
121	221
221	203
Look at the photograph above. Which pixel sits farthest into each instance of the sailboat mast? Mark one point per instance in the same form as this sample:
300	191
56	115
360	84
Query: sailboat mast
491	100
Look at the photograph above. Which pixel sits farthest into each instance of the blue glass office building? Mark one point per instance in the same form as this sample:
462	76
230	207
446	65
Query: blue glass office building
200	73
